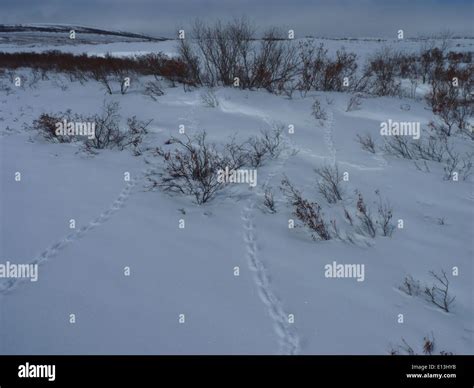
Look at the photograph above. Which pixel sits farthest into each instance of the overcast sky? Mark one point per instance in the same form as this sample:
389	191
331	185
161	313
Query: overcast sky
375	18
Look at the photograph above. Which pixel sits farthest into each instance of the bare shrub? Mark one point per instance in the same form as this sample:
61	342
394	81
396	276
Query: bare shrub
268	144
381	69
153	89
311	61
269	201
407	348
209	99
320	72
308	213
224	51
101	74
398	146
385	214
191	62
237	153
124	78
423	168
430	58
220	46
436	148
335	230
455	163
354	102
433	149
318	112
451	100
134	136
107	128
106	133
105	69
348	217
428	347
192	168
47	125
35	78
367	224
329	184
342	67
257	151
366	142
228	50
272	140
274	65
410	286
438	293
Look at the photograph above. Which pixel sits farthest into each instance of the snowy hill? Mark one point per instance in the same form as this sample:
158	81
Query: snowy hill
59	34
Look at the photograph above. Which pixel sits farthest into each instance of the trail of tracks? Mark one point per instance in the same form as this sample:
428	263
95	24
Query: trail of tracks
328	137
53	250
287	335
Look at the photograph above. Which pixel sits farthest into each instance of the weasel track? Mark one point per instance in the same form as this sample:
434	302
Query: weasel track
55	248
288	338
328	138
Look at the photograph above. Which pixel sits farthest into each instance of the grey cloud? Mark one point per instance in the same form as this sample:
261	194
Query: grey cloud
306	17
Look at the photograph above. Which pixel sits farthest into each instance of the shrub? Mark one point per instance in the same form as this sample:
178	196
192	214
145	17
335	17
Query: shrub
274	66
107	131
354	102
272	140
320	72
399	146
455	163
428	347
438	293
329	184
192	168
381	69
367	224
209	99
318	112
268	144
153	89
134	136
308	213
410	286
269	201
385	214
257	151
103	69
47	125
366	142
228	50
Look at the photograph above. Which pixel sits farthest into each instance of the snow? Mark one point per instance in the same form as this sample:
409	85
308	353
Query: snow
190	271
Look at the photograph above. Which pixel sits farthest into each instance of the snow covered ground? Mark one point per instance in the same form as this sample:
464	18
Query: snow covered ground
182	295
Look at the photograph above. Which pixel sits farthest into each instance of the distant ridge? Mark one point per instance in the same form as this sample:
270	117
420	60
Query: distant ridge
65	28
